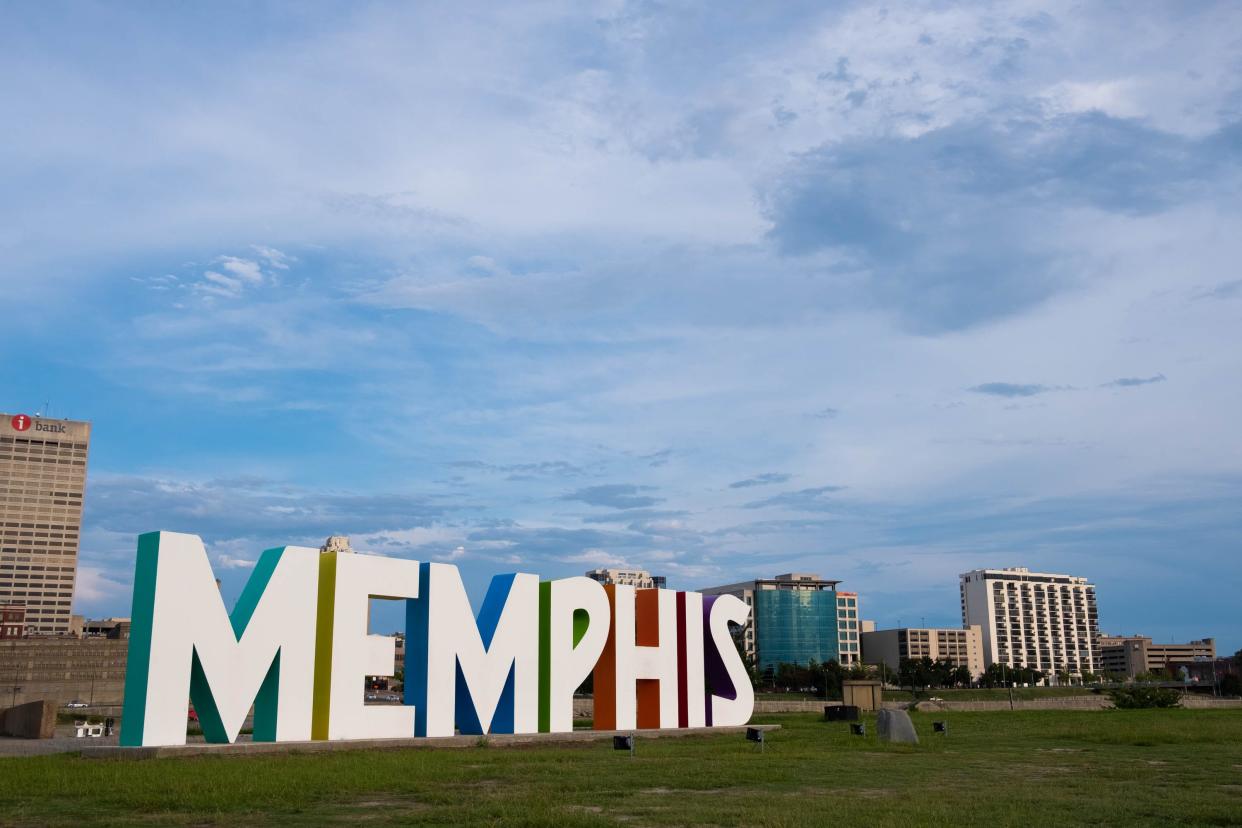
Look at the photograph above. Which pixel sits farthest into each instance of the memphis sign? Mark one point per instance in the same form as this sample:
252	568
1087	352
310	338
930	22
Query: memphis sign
296	649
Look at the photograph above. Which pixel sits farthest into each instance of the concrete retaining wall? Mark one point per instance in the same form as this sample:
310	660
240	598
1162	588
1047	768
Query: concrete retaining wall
1198	702
583	708
1092	702
89	669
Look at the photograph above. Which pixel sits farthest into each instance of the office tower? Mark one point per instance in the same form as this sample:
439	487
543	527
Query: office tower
42	478
793	619
1033	619
849	628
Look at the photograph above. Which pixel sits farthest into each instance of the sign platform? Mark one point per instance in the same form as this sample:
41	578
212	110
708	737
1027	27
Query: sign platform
247	748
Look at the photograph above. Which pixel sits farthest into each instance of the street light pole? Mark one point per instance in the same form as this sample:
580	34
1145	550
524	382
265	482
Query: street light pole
1009	682
15	674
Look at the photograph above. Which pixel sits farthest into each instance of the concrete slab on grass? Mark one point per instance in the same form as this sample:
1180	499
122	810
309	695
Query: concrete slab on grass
248	748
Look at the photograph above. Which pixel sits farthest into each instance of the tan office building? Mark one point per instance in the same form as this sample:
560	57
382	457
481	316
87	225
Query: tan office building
1131	655
961	648
637	578
42	479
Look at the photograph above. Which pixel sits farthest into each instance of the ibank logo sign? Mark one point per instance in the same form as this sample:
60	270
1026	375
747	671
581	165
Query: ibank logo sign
296	648
20	422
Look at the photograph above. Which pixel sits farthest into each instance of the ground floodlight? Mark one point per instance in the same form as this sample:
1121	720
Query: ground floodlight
858	728
940	727
623	743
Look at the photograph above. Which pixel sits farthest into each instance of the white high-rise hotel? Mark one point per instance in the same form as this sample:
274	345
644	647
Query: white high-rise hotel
1033	619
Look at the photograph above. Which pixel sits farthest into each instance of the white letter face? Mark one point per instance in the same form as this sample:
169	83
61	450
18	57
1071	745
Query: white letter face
732	697
636	685
656	661
354	654
480	676
183	645
569	665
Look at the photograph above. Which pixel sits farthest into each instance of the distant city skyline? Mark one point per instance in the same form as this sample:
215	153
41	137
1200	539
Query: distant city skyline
719	292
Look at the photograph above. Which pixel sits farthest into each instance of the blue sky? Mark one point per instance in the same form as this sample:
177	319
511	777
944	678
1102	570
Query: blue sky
883	294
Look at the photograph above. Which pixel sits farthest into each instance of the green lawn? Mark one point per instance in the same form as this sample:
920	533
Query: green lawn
1148	767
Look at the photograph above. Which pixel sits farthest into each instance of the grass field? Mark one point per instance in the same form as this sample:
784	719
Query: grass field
1145	767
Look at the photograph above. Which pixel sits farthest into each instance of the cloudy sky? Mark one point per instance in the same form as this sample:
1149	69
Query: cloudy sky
883	294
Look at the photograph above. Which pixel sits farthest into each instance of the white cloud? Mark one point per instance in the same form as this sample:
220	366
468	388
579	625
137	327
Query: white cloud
273	257
597	558
224	561
95	587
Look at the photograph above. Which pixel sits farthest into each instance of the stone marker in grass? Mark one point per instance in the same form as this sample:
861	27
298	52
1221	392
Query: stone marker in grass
895	726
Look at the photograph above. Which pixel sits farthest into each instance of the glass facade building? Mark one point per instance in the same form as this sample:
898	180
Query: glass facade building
795	626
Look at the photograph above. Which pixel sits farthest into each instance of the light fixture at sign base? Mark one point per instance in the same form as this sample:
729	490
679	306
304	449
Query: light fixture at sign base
940	727
858	728
755	734
624	743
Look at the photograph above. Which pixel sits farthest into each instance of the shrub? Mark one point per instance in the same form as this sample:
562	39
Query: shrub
1136	697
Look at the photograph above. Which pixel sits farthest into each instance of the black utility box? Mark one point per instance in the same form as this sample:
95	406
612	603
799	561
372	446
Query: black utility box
840	713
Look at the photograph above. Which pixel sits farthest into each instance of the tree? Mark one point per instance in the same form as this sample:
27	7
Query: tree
832	675
917	673
1142	697
1231	685
1002	675
739	641
962	676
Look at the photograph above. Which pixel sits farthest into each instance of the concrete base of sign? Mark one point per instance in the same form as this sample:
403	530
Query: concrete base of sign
248	748
32	720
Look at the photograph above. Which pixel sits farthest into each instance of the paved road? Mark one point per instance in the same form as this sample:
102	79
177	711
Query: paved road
63	742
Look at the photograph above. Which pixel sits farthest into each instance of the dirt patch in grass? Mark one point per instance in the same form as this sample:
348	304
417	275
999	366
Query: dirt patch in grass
862	793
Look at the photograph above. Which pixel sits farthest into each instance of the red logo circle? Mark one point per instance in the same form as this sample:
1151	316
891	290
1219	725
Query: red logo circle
21	422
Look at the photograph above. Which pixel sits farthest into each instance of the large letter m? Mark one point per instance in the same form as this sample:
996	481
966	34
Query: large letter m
184	646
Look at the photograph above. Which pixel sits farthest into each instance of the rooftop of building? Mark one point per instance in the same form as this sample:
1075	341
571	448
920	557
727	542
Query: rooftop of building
1106	639
802	580
46	418
336	543
1022	573
964	628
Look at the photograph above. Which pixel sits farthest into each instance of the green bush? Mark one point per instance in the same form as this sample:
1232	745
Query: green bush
1136	697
